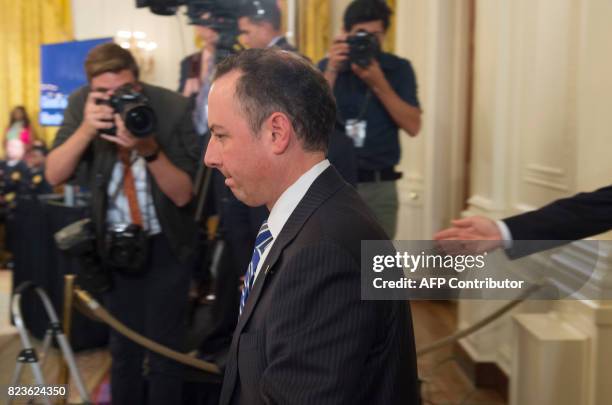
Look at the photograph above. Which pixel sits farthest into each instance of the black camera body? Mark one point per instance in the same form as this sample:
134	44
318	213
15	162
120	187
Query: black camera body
363	48
221	17
134	109
126	248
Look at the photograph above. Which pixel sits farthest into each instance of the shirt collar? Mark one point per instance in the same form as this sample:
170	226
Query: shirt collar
274	41
291	197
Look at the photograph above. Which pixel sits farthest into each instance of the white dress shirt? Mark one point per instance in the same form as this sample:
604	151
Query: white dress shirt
286	204
507	239
118	211
274	41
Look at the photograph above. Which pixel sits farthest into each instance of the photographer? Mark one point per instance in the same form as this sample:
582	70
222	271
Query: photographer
141	190
376	95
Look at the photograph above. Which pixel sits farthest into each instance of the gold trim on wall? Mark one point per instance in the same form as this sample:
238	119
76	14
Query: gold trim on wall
389	45
313	37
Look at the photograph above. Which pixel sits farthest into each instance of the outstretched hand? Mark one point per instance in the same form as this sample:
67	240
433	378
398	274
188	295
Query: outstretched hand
477	234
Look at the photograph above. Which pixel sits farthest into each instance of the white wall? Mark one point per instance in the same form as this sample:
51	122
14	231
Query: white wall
175	39
542	130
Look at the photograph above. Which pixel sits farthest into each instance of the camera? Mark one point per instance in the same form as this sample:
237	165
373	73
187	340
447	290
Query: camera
134	109
220	18
219	15
126	248
78	240
363	48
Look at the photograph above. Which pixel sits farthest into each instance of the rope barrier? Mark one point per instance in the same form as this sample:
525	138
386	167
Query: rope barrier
101	313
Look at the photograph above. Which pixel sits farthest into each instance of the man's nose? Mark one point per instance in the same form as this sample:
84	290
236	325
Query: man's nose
212	157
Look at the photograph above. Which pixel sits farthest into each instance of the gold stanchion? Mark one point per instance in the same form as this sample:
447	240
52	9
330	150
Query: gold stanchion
64	375
100	312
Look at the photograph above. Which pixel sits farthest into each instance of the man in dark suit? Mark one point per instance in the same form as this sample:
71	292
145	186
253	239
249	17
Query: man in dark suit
259	23
304	336
577	217
197	70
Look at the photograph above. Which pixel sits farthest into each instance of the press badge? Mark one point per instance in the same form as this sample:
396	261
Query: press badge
356	130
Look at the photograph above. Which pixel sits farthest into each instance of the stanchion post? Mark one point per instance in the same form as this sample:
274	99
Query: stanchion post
64	377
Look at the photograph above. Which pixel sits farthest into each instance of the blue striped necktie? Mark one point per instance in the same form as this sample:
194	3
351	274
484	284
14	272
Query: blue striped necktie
264	237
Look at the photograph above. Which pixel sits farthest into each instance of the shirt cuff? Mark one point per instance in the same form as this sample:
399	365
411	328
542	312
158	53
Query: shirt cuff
505	233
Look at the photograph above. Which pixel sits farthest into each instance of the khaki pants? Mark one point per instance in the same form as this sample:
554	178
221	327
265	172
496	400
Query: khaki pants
381	197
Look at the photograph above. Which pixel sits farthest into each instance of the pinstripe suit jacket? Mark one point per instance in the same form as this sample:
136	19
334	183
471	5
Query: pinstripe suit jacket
305	336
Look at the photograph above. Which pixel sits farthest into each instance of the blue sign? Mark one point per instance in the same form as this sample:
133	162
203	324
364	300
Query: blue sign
62	72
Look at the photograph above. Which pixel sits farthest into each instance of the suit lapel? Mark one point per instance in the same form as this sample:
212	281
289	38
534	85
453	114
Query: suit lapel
327	184
322	188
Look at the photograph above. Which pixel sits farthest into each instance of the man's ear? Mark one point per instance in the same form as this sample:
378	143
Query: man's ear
280	130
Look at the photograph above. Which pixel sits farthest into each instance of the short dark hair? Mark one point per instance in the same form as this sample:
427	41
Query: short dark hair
259	11
109	57
360	11
273	80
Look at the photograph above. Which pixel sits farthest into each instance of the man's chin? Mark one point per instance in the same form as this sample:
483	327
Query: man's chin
246	200
240	196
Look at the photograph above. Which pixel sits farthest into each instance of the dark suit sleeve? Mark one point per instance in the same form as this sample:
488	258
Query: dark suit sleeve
577	217
318	339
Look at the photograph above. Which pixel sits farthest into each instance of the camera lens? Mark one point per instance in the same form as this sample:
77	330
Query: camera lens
140	121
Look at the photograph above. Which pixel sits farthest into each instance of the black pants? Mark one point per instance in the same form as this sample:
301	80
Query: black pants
155	305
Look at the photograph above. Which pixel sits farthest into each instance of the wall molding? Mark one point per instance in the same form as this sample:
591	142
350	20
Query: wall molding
481	203
554	185
537	168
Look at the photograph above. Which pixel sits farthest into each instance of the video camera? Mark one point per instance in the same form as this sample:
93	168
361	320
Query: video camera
219	15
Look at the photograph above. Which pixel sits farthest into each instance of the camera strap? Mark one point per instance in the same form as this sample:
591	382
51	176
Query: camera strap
364	105
362	109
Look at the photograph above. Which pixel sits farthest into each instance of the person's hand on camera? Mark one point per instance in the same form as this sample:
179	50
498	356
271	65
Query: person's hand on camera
338	53
143	146
371	74
97	116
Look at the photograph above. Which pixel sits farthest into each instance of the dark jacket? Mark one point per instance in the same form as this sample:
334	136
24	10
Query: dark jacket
567	219
283	44
176	138
305	336
190	67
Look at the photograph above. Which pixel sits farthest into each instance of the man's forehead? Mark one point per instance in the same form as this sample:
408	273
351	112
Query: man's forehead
225	85
221	98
